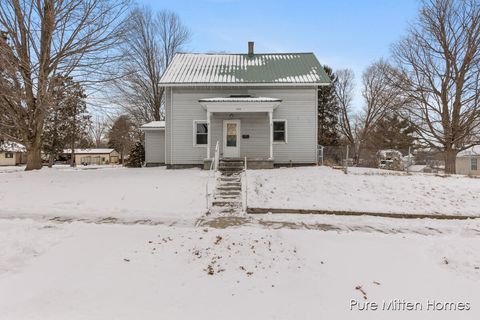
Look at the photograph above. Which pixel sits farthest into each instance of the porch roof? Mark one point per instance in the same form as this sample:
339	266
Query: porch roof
240	104
240	99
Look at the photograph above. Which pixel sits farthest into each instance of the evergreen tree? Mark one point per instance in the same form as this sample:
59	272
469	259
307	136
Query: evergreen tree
136	157
67	123
392	132
328	111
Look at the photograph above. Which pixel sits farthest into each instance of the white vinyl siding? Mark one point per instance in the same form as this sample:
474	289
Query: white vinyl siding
155	146
253	125
298	108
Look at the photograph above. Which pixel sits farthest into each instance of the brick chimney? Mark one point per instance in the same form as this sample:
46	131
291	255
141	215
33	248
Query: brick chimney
250	48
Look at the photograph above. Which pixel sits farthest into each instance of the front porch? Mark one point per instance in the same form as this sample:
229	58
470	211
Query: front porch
242	127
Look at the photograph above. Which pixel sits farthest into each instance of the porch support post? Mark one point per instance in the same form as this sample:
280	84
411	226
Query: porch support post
208	134
270	119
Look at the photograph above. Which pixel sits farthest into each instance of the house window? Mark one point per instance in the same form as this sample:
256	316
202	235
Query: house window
473	164
280	131
200	131
8	155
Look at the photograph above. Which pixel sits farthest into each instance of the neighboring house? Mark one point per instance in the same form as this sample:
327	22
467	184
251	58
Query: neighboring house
468	161
12	154
154	143
259	106
93	156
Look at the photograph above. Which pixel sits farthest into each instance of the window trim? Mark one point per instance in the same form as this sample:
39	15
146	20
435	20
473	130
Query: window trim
195	122
286	131
471	164
10	154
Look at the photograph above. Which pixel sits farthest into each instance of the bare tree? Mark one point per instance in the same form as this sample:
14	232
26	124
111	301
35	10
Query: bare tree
98	131
344	91
380	99
439	70
150	42
44	39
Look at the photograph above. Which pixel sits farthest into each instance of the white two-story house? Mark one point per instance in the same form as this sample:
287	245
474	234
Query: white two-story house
259	106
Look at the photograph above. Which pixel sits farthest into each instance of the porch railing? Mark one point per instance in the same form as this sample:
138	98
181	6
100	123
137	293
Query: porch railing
216	158
213	168
245	203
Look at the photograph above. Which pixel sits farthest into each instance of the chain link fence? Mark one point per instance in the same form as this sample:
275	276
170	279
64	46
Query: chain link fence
416	160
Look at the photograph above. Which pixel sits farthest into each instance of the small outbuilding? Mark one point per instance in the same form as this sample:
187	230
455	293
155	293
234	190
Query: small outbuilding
468	161
12	154
96	156
154	143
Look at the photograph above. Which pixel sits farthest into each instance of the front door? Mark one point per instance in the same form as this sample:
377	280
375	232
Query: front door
231	138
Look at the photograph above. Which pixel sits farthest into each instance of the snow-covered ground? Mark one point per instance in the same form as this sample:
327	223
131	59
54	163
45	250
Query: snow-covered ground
363	190
111	271
258	267
103	191
172	195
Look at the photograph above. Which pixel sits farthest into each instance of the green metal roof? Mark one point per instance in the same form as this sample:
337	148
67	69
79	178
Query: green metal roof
244	69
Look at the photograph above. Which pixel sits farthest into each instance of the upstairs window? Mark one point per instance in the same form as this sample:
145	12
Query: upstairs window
280	131
200	133
473	164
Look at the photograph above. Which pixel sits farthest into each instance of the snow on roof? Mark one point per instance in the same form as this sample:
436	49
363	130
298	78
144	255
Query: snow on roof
240	99
154	125
89	151
472	151
244	69
12	147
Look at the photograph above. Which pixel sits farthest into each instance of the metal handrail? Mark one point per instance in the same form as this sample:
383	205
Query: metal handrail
217	155
213	168
246	185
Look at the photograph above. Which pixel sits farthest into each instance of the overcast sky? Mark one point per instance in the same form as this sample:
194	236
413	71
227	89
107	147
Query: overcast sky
341	33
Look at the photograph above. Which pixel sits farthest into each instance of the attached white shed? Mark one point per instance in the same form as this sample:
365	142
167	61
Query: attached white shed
154	143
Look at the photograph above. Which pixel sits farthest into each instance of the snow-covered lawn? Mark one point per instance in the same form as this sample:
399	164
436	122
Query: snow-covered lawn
91	271
364	190
264	267
173	195
103	191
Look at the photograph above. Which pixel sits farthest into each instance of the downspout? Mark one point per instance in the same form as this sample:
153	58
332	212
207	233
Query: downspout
171	125
316	127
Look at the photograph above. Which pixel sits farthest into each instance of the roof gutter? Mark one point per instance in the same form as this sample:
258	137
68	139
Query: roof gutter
152	128
243	84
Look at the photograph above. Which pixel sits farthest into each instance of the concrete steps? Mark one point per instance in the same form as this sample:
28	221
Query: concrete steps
228	193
